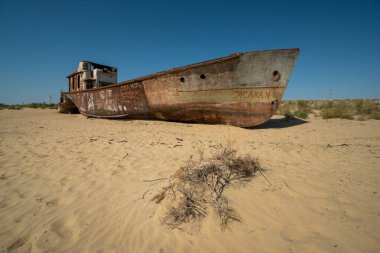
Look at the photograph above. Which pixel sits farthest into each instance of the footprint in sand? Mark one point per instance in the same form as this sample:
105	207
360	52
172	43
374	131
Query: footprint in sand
22	244
60	233
63	228
48	240
55	202
28	214
304	235
65	180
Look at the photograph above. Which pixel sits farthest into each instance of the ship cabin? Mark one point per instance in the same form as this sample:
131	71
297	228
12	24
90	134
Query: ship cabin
91	75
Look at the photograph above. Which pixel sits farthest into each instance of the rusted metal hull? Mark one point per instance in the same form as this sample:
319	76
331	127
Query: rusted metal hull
67	106
242	90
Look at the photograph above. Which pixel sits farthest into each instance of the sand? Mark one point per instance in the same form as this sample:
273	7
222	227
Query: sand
73	184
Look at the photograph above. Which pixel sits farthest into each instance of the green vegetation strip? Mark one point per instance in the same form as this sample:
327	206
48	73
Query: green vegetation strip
31	105
356	109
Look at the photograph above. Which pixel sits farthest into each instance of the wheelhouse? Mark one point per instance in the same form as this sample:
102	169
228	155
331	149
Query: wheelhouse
91	75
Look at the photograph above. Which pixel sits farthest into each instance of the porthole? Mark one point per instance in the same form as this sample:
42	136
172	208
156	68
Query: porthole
202	76
182	79
276	76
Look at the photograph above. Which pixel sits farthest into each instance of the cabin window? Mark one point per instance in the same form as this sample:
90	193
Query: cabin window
202	76
182	79
85	66
78	82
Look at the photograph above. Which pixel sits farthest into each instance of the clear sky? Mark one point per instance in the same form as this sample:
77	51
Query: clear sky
41	42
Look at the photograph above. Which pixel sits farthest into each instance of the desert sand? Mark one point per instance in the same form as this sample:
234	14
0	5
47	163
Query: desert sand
73	184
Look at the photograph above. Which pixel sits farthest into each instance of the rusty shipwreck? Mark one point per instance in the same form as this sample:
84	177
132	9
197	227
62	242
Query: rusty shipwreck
242	89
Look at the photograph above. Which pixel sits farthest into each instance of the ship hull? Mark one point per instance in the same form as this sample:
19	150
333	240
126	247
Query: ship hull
242	90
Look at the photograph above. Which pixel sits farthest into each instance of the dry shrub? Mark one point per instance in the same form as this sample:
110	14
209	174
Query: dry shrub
367	108
226	213
299	108
200	183
337	109
187	209
375	115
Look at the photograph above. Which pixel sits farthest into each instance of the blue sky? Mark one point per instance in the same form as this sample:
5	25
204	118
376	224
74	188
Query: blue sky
43	41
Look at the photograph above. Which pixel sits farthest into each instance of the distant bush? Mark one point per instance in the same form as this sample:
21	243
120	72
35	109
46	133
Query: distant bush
359	105
367	109
302	114
300	109
375	115
303	109
286	108
288	113
41	105
14	107
337	109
